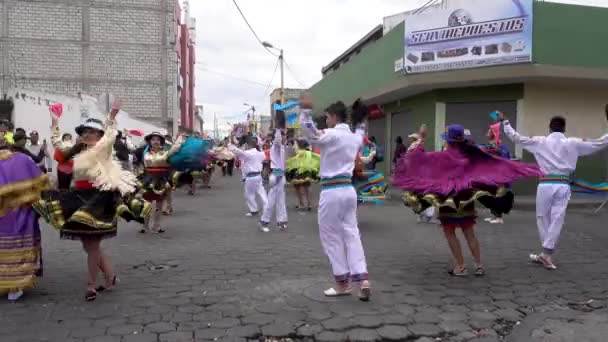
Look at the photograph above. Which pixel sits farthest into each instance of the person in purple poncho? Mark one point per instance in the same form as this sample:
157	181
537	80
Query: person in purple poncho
452	180
21	183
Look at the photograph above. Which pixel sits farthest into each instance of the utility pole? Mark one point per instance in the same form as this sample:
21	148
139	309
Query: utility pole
282	78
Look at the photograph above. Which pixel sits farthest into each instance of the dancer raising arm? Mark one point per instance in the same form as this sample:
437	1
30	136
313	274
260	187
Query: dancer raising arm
556	155
252	160
337	218
103	192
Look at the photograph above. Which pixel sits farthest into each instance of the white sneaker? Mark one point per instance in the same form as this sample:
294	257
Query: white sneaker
497	220
488	219
419	219
14	296
264	228
249	214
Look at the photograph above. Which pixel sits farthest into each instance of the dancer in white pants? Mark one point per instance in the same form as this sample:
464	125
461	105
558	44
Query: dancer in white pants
556	155
251	165
276	193
338	226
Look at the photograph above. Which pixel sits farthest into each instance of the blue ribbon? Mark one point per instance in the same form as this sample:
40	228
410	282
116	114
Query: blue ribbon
288	105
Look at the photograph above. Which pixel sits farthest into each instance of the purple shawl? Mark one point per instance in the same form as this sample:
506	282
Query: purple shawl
451	171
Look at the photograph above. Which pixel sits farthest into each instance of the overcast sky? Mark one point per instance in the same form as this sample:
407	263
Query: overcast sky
312	33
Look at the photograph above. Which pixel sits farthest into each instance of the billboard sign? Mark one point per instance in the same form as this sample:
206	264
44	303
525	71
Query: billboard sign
478	33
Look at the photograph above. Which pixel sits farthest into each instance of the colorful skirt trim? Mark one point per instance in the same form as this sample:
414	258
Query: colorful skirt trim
23	193
20	262
90	213
294	177
462	206
181	178
370	187
155	186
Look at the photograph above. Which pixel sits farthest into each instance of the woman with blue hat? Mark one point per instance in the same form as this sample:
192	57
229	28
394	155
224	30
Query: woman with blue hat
452	180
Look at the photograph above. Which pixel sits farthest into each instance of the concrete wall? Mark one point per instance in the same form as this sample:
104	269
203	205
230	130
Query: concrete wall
583	108
122	47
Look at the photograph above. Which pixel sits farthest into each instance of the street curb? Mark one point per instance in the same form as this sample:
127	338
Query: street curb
524	203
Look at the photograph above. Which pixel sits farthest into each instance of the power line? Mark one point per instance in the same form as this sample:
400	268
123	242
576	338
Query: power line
293	74
252	30
232	76
271	79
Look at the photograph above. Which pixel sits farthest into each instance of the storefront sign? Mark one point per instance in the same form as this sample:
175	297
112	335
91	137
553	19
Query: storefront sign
374	111
478	33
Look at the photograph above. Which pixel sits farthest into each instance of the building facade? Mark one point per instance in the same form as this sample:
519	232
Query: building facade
186	57
559	79
126	48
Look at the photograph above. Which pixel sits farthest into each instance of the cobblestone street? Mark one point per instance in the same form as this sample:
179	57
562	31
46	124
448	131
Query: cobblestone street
214	276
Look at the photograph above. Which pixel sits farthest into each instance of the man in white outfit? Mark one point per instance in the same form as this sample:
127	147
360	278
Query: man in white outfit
251	165
556	155
276	193
338	226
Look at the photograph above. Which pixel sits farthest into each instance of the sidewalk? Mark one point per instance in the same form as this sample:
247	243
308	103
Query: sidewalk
527	202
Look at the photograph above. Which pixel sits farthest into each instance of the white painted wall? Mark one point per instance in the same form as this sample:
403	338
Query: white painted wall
581	105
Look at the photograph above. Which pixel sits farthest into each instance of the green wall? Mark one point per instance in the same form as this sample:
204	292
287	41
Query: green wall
570	35
370	69
422	109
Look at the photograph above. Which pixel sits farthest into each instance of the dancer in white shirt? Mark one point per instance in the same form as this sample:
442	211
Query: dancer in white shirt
556	155
276	194
338	225
251	166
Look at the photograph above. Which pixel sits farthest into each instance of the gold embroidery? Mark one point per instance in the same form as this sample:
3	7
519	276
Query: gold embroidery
22	193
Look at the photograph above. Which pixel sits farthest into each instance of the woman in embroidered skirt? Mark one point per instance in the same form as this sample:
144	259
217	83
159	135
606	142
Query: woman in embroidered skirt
156	179
302	170
368	182
452	180
103	192
21	183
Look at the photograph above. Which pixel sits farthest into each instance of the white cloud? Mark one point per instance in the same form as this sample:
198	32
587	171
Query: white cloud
312	33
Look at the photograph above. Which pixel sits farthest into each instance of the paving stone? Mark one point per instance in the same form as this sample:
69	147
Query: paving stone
481	315
176	336
209	334
425	329
140	338
330	336
160	327
87	332
225	323
144	319
319	315
248	331
362	335
309	330
397	319
259	319
394	333
367	321
337	324
104	339
454	327
478	324
278	330
124	329
425	339
453	316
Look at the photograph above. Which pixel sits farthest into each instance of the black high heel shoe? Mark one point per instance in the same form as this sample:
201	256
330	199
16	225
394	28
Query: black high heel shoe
90	296
102	288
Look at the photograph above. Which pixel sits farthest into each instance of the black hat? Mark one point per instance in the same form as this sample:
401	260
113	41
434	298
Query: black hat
92	124
148	137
